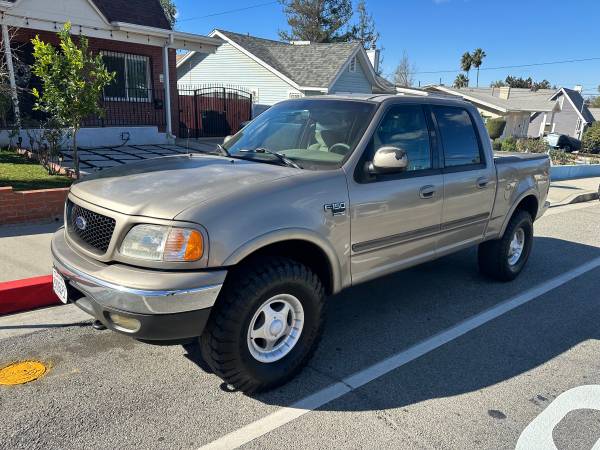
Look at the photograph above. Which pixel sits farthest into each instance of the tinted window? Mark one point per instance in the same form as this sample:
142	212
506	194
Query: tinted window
458	136
405	127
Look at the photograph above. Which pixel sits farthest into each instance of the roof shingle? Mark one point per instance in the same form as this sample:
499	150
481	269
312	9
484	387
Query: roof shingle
311	65
148	13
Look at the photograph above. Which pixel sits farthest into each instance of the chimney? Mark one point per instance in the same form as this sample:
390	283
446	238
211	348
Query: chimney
373	55
578	88
300	42
504	92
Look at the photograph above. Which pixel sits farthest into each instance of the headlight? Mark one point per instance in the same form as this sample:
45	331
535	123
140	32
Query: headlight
162	243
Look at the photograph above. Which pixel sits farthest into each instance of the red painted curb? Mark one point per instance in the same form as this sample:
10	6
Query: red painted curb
27	294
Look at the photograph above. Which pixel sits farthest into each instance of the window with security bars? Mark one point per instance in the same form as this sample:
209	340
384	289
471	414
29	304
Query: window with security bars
132	77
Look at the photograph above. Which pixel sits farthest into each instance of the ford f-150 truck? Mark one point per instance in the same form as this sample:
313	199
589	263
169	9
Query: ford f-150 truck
239	248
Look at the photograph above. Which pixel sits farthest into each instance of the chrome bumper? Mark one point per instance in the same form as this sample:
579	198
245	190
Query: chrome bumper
135	290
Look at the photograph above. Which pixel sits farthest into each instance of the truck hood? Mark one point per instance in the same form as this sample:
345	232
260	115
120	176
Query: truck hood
163	187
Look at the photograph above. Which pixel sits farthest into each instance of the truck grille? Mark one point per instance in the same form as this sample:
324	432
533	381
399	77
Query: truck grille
92	229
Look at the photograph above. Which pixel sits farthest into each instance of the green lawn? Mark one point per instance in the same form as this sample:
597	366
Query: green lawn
23	174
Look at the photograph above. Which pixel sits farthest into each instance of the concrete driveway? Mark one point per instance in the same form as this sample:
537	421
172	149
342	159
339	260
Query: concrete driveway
433	357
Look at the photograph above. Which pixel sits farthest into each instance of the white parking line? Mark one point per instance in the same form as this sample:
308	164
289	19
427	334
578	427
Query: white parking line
288	414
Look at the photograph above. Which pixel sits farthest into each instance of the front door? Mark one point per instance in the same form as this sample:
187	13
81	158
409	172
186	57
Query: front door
395	218
469	180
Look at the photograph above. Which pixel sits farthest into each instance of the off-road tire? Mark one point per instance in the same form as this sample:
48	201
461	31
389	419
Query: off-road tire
224	344
493	255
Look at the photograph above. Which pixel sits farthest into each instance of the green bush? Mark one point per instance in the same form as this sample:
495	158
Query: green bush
509	144
532	146
591	139
497	145
495	127
562	158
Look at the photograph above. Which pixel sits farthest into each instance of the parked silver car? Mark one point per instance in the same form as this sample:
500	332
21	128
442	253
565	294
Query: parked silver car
241	248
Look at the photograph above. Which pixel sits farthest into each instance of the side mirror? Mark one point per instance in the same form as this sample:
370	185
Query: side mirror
388	160
226	139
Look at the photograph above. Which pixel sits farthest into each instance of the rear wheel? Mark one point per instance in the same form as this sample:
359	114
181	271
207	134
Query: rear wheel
266	325
503	259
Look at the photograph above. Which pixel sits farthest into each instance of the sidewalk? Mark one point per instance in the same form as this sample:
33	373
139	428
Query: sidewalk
25	250
573	191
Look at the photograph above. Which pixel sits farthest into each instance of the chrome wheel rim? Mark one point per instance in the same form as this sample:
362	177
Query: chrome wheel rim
515	249
275	328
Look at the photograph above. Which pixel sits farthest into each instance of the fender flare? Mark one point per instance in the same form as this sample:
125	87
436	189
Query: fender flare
527	193
290	234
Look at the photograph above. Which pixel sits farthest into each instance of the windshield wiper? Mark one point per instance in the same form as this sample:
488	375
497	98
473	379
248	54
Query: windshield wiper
288	162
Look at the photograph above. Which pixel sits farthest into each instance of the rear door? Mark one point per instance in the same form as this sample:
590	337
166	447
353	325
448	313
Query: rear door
469	179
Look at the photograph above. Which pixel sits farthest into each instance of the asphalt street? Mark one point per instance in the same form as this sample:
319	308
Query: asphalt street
490	387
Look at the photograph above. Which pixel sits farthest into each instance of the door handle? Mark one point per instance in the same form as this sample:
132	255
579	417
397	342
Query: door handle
427	191
482	182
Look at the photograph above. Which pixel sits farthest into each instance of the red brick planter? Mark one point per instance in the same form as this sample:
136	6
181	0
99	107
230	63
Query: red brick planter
31	206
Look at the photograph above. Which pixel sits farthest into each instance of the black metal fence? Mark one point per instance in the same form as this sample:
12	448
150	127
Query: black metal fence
212	110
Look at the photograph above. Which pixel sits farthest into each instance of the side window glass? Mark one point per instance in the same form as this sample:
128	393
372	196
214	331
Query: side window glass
405	127
458	136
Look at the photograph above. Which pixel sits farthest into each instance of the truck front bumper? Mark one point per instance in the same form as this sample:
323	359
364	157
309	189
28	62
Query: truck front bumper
145	304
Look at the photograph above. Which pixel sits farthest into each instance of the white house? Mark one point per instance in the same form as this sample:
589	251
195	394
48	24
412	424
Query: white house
274	71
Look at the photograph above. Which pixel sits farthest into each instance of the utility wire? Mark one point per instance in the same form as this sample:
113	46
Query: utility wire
566	61
230	11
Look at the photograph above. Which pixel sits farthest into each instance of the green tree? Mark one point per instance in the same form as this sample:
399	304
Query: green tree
477	59
317	20
461	81
72	82
364	31
170	11
466	62
591	138
523	83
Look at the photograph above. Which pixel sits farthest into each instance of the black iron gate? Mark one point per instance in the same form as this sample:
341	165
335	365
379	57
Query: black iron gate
212	111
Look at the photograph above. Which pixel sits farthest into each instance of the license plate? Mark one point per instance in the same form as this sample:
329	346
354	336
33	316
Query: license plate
59	286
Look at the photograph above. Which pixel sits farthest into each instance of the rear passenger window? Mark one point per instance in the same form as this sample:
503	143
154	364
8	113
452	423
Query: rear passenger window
458	136
405	127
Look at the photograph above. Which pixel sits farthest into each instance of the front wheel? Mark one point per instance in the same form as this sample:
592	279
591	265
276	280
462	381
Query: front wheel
503	259
265	326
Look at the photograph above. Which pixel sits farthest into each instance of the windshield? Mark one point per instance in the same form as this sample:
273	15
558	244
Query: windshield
314	134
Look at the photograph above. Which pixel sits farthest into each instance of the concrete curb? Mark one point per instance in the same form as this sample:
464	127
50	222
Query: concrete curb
581	198
27	294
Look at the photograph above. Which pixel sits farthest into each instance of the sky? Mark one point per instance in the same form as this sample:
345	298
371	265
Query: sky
435	33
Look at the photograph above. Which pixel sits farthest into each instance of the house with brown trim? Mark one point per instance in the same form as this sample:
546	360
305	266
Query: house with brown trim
137	43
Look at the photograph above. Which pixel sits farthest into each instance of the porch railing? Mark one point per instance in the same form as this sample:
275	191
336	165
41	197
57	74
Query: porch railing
138	107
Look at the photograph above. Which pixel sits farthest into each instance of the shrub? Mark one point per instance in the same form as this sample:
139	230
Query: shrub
591	139
562	158
497	145
509	144
495	127
531	146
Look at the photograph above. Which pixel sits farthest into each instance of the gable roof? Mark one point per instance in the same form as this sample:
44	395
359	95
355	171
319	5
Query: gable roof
292	61
519	100
578	103
148	13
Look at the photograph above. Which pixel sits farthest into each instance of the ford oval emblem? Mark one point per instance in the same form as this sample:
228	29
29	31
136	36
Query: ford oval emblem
80	223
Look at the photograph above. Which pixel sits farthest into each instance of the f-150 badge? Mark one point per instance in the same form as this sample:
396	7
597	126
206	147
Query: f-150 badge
337	209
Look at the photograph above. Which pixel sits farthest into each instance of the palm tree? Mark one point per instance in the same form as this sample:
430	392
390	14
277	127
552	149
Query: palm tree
461	81
466	61
477	60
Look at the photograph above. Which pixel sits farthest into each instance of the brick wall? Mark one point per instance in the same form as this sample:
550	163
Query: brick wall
155	55
31	206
